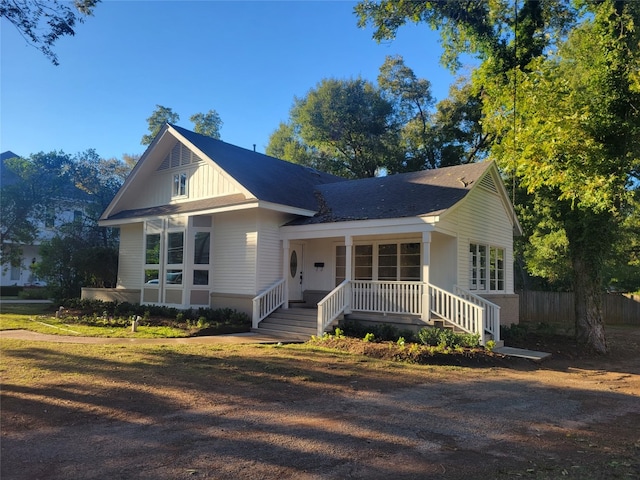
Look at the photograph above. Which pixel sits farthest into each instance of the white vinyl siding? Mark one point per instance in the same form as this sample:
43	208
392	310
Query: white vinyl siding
204	180
131	256
488	225
234	255
269	249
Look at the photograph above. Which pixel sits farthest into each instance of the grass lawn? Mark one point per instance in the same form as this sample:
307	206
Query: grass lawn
41	318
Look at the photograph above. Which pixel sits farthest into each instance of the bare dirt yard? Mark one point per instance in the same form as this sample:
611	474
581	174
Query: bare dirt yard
77	411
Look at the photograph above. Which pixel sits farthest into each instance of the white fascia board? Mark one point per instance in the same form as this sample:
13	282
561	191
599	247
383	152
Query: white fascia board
286	209
356	228
134	172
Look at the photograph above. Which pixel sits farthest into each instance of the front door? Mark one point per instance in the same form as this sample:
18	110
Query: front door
295	272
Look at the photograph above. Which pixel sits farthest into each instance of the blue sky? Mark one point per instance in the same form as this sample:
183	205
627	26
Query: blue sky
246	60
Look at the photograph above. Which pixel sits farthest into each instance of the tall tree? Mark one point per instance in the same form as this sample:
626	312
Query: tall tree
413	103
27	203
43	22
208	124
349	121
566	124
159	117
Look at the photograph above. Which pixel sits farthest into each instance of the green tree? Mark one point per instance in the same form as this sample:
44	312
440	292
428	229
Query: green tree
413	103
159	117
208	124
51	187
563	118
457	136
42	22
285	143
27	204
345	127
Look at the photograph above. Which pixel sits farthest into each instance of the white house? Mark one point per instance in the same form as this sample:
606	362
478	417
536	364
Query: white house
206	223
67	207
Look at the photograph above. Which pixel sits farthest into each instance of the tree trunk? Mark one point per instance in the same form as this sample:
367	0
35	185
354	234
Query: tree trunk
590	334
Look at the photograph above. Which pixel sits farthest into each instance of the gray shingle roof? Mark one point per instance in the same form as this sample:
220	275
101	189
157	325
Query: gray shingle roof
267	178
428	192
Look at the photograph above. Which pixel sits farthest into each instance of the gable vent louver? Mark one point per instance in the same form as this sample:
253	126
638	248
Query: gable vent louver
488	183
179	156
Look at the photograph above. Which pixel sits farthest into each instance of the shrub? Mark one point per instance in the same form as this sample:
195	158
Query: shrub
443	337
36	293
381	331
514	333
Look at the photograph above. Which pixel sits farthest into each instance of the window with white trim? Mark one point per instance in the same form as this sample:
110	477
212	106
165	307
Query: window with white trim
179	185
388	261
486	268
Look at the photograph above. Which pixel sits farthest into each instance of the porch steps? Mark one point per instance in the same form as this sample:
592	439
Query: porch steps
295	323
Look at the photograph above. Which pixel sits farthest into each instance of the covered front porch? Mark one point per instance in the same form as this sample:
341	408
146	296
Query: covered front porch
387	270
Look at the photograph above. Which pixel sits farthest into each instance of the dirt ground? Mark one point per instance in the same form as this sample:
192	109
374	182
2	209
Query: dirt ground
300	414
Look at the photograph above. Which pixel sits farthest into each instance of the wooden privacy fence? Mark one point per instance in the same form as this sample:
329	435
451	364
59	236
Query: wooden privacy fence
557	308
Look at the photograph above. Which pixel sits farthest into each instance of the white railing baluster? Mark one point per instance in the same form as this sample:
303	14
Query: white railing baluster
267	302
331	306
489	317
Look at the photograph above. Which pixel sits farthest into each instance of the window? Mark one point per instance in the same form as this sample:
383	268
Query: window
496	269
152	249
77	216
175	248
486	268
341	264
201	250
388	261
363	260
179	185
410	264
201	255
391	262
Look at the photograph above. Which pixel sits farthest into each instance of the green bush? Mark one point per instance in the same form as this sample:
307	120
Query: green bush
381	331
35	293
10	291
201	317
444	337
514	332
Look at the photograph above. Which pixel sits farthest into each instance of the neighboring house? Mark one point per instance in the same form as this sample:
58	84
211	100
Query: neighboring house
68	207
207	224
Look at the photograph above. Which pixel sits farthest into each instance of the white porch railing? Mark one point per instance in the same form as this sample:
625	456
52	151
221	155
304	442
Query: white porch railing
387	297
463	313
469	312
491	320
267	302
331	306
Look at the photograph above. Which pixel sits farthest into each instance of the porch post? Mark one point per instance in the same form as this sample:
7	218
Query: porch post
285	272
426	260
348	273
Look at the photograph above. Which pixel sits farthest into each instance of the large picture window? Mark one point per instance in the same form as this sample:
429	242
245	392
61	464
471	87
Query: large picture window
486	268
